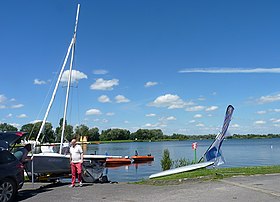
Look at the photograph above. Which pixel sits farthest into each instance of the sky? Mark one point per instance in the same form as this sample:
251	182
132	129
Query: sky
161	64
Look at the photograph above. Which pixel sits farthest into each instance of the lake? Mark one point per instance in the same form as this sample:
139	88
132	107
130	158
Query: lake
237	153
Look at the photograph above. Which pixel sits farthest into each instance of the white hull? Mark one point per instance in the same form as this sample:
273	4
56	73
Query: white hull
54	163
181	169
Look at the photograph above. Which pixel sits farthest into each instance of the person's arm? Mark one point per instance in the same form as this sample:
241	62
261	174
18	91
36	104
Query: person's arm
82	157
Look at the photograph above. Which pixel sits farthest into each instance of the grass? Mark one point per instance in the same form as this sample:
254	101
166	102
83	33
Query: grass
211	174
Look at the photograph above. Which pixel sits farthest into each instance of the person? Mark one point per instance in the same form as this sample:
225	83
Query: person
21	154
76	160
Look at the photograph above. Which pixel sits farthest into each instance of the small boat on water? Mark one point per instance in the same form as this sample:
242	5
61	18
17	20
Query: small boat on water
146	158
113	162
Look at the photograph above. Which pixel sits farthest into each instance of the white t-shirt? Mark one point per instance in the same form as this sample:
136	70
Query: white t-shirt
76	153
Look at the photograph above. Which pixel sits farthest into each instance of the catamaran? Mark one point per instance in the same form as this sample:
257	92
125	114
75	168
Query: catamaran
50	162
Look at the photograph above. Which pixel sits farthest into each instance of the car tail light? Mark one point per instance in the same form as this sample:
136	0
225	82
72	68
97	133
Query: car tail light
20	165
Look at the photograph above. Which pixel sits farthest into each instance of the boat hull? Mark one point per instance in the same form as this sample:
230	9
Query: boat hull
138	159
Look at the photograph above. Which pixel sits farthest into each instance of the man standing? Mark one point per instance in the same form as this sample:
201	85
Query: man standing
76	160
22	153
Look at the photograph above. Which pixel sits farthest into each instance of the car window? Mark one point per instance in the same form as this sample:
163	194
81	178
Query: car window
6	157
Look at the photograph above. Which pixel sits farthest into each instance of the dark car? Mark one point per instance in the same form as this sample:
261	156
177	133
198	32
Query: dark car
11	169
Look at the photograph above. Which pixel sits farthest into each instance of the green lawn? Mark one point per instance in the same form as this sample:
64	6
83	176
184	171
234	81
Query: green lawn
212	174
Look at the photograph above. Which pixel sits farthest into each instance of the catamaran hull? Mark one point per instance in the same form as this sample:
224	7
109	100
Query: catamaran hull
51	163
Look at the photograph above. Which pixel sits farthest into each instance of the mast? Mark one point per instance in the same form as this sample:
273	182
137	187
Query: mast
69	79
54	92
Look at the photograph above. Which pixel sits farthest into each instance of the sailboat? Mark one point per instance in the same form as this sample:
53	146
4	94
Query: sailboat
49	162
212	156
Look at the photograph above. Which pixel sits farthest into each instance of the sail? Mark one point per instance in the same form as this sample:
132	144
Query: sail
214	152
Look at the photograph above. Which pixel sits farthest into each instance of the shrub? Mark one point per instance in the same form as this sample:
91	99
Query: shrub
166	162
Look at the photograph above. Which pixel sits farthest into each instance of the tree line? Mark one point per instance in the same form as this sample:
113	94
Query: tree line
51	134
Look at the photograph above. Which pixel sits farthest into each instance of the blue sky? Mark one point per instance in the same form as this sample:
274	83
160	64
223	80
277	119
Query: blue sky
174	65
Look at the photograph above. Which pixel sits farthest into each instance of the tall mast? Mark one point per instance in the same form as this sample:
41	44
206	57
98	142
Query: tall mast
69	79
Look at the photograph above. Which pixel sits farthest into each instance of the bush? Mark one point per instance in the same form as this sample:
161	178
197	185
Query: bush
166	162
181	162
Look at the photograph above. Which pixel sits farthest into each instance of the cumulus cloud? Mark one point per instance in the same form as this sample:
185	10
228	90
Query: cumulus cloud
101	84
197	116
150	115
171	118
260	122
2	98
212	108
268	99
121	99
200	125
261	112
150	83
100	71
230	70
234	125
194	108
93	112
170	101
76	76
22	116
104	99
39	82
17	106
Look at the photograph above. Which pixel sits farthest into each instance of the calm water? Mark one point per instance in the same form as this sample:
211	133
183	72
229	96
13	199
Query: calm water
237	153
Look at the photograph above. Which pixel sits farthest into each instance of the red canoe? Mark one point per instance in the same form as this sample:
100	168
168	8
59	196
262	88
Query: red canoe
142	158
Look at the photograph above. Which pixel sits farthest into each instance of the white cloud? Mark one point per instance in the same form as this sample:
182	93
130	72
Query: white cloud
150	115
15	125
9	115
110	113
212	108
261	112
170	101
234	125
22	116
2	98
171	118
230	70
276	110
192	121
39	82
100	71
93	112
200	125
17	106
76	76
101	84
194	109
275	120
104	99
260	122
150	83
268	99
121	99
197	116
3	107
35	121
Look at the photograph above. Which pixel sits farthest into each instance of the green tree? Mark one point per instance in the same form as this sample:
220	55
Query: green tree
81	130
68	131
93	134
166	161
7	127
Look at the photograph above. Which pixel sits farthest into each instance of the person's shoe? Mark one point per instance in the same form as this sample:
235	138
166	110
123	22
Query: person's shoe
72	185
81	184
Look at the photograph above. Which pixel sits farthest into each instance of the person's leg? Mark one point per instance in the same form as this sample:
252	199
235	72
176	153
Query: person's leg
79	170
73	172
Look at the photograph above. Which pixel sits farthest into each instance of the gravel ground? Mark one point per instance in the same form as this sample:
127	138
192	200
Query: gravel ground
243	188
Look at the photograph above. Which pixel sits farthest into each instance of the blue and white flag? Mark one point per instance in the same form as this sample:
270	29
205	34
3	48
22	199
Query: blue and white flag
214	152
